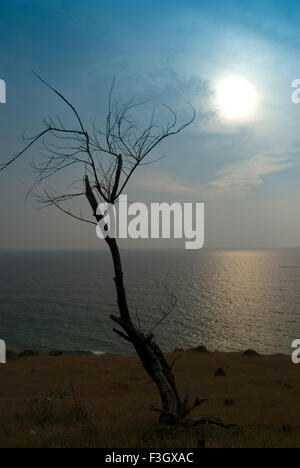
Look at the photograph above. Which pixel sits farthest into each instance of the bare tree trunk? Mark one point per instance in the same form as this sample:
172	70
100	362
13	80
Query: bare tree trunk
173	410
148	351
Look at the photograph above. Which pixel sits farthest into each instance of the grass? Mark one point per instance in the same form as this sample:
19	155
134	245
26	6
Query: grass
89	401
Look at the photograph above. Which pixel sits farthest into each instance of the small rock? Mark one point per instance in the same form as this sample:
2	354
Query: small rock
28	353
55	353
220	373
11	355
201	349
229	402
251	353
287	386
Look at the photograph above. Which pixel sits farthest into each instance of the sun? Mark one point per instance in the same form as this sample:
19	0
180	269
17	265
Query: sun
236	97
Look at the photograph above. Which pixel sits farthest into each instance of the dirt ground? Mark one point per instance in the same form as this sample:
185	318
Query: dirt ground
104	401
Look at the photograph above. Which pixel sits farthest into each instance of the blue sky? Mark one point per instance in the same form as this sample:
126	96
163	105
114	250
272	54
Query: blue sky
247	171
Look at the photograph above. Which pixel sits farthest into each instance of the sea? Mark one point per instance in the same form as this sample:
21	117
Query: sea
226	300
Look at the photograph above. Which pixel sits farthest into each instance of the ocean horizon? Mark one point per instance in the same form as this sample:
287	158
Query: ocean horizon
228	300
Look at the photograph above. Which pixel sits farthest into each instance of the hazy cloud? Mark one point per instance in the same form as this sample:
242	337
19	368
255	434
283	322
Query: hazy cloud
233	182
236	180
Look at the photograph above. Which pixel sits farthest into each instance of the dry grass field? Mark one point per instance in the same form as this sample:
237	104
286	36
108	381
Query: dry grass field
104	401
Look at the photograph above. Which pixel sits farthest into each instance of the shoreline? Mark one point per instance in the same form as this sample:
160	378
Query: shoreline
11	354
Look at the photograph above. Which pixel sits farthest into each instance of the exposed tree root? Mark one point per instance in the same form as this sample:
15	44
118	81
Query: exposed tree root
207	420
199	421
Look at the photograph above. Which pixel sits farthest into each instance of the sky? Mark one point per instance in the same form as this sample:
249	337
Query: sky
245	169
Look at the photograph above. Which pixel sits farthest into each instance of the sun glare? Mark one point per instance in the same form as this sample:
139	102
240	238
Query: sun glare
236	98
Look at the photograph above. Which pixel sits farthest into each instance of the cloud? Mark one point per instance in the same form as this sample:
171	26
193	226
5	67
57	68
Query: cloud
234	182
237	180
165	183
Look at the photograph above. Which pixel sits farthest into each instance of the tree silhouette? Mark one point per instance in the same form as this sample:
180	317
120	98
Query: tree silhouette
107	160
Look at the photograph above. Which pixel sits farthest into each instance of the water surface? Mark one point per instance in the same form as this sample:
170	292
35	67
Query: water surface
227	300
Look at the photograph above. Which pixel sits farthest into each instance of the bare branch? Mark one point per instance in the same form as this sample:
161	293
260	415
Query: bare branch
172	299
51	201
63	98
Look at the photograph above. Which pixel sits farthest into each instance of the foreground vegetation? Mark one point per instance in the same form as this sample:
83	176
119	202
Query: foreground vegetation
104	401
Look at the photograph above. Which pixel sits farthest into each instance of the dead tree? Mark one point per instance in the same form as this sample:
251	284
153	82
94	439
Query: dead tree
107	159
